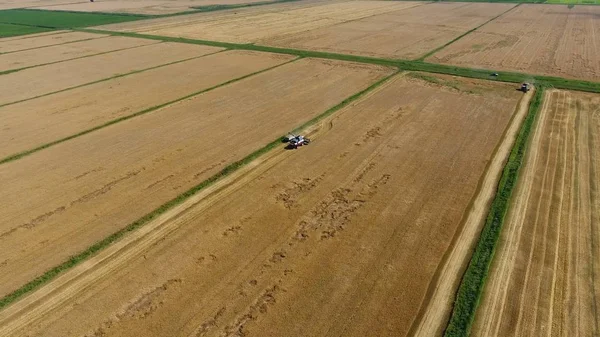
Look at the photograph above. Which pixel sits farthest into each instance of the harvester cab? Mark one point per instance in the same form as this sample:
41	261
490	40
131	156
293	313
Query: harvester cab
525	87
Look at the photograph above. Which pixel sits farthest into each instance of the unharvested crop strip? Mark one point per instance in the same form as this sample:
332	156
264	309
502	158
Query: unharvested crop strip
409	65
110	78
473	281
20	155
465	34
76	58
104	243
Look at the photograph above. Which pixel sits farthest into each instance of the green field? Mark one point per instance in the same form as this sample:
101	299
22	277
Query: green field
15	22
8	29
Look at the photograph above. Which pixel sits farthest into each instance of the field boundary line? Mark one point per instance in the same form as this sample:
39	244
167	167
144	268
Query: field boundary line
5	72
407	65
107	241
110	78
426	55
25	153
473	281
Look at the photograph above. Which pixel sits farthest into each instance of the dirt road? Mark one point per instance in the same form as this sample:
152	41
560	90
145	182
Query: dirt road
544	279
342	237
436	314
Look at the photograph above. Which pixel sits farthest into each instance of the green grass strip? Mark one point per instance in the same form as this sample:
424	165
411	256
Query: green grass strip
109	78
474	279
9	29
20	155
104	243
56	19
465	34
409	65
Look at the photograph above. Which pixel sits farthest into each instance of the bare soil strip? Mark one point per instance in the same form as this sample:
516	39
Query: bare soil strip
406	34
436	314
12	45
38	81
63	52
246	26
537	39
351	228
80	191
57	116
543	281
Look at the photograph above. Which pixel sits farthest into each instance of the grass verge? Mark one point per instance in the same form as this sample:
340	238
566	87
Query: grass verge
474	279
410	65
102	244
124	118
465	34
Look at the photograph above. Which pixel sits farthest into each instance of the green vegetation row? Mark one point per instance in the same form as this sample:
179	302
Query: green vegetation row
474	279
104	243
22	154
416	65
15	22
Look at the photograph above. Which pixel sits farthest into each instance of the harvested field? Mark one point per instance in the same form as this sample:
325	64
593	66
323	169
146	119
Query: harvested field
82	190
62	52
538	39
51	78
407	34
150	7
53	117
16	44
351	229
544	278
31	36
252	25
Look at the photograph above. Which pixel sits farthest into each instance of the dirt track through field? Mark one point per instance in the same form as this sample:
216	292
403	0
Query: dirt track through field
247	26
63	52
36	122
537	39
407	33
544	279
13	45
436	315
347	229
43	80
80	191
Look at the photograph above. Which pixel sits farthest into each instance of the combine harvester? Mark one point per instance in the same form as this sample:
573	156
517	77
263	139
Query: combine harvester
294	141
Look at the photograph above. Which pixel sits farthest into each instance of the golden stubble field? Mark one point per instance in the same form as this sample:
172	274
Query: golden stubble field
80	191
255	24
537	39
343	237
544	280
